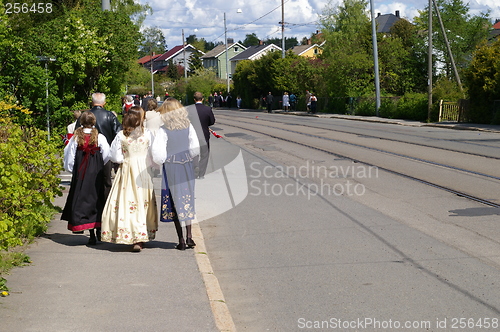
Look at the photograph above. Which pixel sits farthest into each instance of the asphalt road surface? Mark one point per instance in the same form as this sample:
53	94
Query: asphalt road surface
324	241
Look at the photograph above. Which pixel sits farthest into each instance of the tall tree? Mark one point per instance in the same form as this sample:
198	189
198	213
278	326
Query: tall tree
152	41
483	81
289	42
92	49
464	32
251	40
195	62
347	50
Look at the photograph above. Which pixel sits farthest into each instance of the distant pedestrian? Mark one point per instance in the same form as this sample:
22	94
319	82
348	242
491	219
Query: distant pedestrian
174	147
85	156
216	100
129	102
286	101
238	102
145	99
130	214
313	103
308	100
293	102
211	100
228	100
71	126
269	102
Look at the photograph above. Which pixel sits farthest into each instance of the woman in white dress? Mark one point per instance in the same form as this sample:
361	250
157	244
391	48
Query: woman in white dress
130	214
286	101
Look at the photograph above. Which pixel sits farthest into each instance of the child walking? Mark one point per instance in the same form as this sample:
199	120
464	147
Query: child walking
85	156
130	214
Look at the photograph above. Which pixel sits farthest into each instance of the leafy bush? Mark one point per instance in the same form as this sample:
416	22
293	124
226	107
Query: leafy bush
29	166
364	107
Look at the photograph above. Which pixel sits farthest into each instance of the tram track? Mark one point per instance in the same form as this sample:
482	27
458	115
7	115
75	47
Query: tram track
385	138
283	137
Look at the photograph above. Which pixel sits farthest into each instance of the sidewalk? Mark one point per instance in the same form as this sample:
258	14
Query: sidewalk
74	287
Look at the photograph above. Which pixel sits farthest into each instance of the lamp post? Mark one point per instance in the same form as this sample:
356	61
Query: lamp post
375	59
227	55
46	59
282	29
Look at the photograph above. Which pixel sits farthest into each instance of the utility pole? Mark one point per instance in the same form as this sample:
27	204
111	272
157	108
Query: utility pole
46	59
283	28
429	67
227	55
450	54
152	79
105	5
185	63
375	59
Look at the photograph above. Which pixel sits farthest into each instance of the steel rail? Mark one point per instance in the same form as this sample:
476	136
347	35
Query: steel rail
450	190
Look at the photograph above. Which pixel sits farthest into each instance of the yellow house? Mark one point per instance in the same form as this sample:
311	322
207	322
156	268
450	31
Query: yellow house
310	51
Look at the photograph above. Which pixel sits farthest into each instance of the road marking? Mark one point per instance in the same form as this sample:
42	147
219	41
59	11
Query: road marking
223	318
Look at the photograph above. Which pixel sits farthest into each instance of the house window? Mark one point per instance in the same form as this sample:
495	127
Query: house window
236	49
315	51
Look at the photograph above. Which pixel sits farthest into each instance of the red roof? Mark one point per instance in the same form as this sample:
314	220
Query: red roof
496	25
147	58
170	53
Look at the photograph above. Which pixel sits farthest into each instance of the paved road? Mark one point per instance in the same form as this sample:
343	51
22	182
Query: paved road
289	259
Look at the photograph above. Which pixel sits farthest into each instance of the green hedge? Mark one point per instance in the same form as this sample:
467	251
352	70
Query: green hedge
29	166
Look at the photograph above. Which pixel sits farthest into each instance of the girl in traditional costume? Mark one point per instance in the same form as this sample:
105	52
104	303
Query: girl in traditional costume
130	215
85	156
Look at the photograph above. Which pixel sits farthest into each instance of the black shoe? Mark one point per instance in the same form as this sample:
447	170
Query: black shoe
78	232
181	246
190	243
92	241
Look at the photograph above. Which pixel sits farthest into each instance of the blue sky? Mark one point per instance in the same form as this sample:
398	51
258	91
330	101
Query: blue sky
205	18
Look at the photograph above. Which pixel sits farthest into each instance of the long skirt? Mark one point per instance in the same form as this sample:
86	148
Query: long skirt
177	193
85	202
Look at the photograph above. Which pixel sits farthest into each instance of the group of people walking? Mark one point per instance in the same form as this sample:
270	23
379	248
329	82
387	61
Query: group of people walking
124	210
217	100
289	102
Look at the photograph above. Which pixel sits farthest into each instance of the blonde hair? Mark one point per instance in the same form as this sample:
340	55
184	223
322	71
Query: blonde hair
174	115
87	120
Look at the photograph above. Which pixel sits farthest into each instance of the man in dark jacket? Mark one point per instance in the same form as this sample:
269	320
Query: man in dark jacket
201	117
144	102
269	102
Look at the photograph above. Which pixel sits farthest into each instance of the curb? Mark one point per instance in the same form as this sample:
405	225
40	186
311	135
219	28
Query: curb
221	313
455	126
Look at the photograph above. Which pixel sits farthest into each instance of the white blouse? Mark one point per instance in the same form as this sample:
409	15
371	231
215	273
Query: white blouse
116	154
70	150
159	149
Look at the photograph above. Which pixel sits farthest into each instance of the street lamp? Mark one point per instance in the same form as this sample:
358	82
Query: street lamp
227	55
151	62
46	59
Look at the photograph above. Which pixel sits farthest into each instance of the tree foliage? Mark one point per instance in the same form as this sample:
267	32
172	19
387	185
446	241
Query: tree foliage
483	82
29	166
464	32
152	41
93	49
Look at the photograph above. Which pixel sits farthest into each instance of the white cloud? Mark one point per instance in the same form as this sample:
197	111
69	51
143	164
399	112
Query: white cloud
207	16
